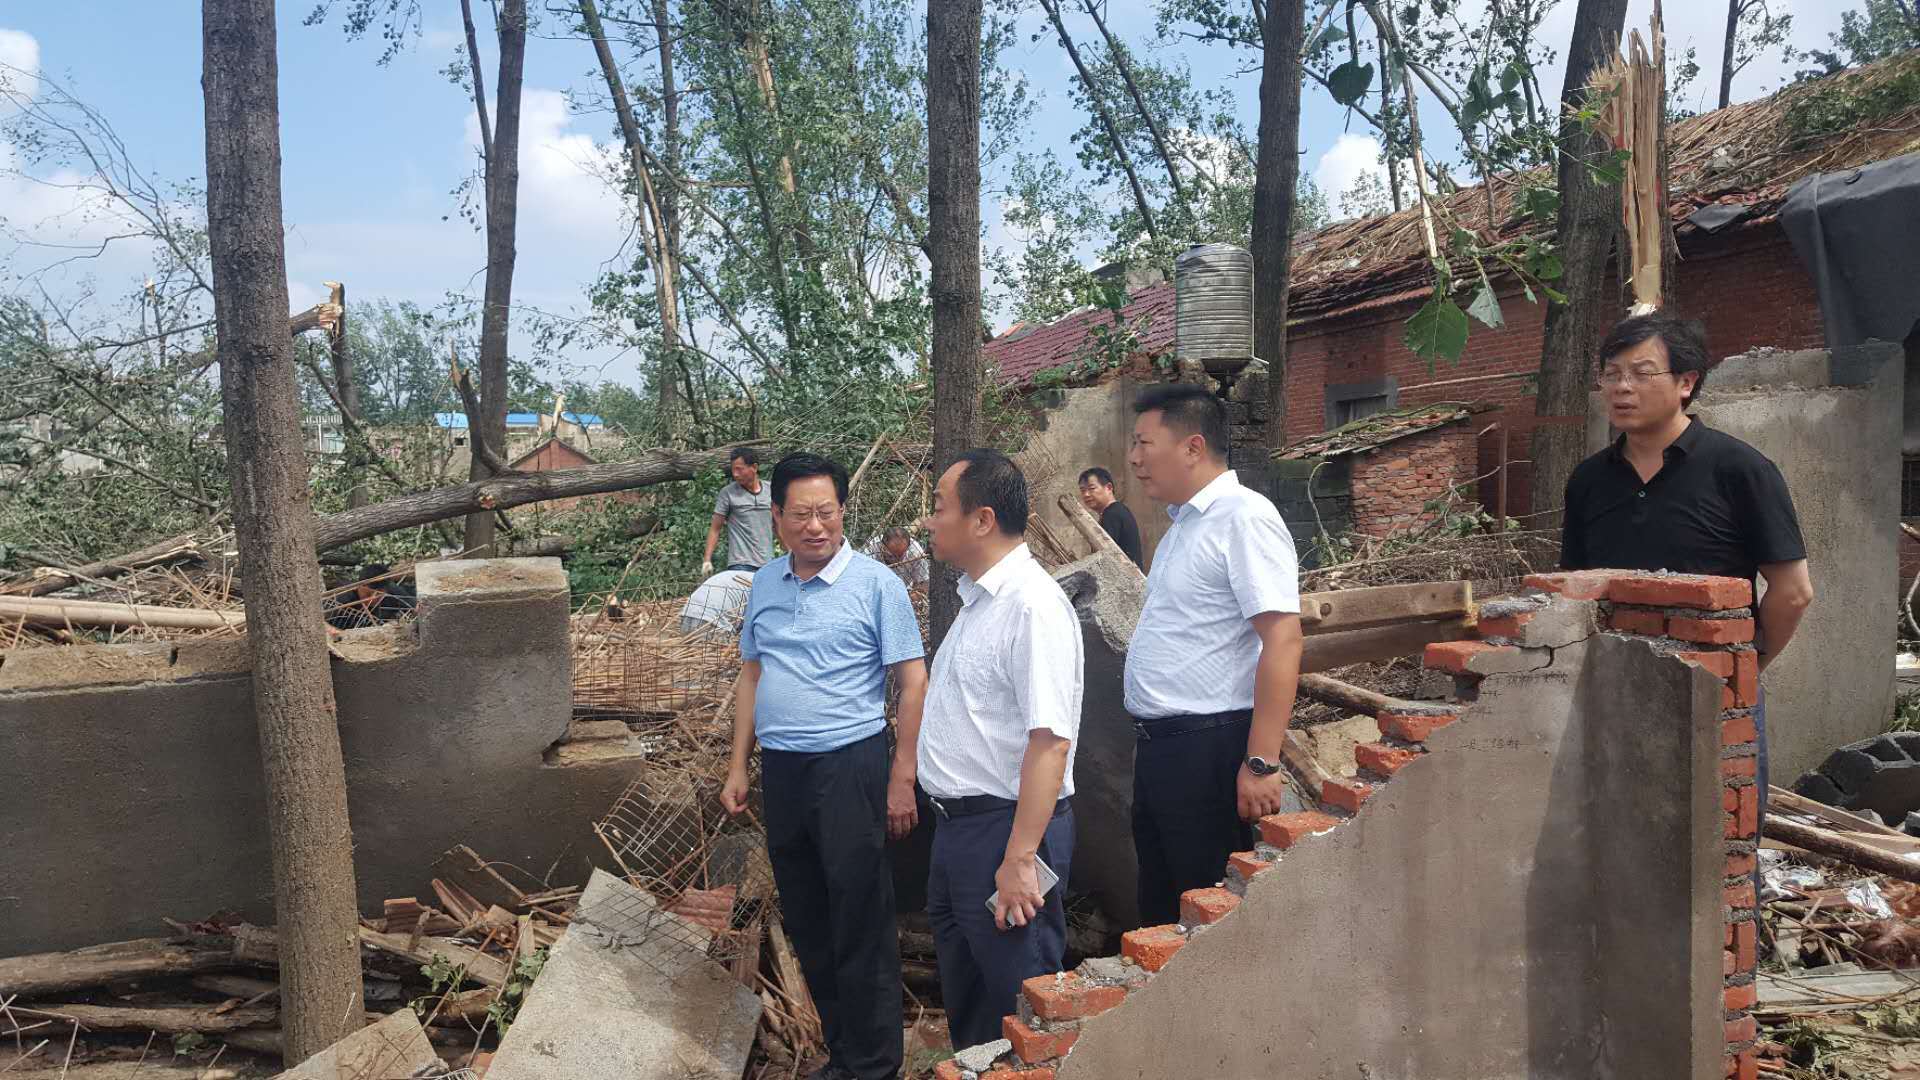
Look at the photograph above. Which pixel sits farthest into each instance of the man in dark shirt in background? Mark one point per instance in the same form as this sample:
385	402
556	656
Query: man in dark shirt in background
1096	494
1673	494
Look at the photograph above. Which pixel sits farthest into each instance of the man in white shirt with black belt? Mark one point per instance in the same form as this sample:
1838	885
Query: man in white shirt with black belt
1001	723
1213	666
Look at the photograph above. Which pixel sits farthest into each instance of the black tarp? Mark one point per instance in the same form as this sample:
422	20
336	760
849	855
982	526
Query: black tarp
1858	233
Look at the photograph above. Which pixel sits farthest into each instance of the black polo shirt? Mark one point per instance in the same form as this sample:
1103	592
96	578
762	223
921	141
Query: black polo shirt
1118	522
1717	506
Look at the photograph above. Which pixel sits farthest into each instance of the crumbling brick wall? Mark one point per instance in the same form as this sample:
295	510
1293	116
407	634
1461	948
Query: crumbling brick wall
1402	485
1547	877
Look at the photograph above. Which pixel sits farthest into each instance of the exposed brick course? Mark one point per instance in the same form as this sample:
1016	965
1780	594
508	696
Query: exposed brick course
1067	996
1201	907
1285	830
1151	946
1034	1047
1681	591
1412	727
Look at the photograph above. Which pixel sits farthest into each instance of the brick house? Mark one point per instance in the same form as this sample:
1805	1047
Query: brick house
1356	283
1384	473
554	452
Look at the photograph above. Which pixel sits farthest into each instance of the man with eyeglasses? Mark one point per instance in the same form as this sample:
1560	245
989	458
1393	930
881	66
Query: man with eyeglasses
824	626
1673	494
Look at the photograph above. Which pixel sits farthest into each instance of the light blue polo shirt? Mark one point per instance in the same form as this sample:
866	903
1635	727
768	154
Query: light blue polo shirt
824	646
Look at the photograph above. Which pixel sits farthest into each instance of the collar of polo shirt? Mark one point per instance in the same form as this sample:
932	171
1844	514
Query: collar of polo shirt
1206	496
994	579
830	572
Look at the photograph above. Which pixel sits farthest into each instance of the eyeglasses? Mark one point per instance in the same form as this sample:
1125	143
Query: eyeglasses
1635	377
826	515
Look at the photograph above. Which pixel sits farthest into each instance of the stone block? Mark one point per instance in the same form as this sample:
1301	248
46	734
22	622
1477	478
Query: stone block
396	1046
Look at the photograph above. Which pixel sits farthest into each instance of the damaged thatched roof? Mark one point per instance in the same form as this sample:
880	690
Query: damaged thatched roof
1372	432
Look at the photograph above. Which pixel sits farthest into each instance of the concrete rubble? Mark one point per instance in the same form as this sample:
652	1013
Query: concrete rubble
396	1046
620	998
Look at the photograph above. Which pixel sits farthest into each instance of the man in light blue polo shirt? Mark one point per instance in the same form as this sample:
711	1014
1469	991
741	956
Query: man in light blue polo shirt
824	625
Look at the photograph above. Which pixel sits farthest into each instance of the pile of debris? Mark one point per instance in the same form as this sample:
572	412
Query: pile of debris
1840	994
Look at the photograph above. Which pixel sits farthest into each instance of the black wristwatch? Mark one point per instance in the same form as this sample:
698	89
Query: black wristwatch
1260	766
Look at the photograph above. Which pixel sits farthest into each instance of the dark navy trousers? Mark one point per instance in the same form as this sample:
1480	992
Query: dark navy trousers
982	966
827	841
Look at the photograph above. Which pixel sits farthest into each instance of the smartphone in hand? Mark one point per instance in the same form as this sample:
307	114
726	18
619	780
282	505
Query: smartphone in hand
1048	879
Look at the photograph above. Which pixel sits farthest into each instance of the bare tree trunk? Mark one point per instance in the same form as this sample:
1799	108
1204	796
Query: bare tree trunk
1583	238
656	232
953	242
503	196
347	390
1098	103
1386	139
1119	54
1727	50
1276	176
312	843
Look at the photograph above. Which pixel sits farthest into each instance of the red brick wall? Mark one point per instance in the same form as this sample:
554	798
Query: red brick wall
1393	485
1749	290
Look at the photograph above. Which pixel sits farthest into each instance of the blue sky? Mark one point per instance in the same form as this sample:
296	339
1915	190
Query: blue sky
372	154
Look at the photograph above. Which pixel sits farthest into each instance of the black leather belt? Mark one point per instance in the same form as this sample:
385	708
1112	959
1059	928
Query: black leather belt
1166	727
966	805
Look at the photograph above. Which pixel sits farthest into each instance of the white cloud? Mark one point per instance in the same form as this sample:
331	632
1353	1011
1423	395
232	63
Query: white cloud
1350	157
20	52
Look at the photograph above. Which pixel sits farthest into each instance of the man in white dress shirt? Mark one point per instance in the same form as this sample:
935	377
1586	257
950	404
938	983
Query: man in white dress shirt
996	751
1212	669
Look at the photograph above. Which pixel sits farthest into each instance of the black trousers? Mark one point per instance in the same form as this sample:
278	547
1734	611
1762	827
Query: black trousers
827	841
1186	811
982	966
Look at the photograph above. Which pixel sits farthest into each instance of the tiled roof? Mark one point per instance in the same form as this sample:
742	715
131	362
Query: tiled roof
1025	351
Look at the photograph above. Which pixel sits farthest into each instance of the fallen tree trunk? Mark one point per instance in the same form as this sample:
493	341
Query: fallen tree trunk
511	490
39	974
168	550
167	1020
93	613
1846	850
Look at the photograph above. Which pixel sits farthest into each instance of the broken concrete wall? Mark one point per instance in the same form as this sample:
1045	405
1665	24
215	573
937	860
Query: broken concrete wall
1833	423
130	775
1550	879
1108	593
1077	429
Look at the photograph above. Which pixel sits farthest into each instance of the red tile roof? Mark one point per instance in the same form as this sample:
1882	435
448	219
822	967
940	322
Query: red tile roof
1025	350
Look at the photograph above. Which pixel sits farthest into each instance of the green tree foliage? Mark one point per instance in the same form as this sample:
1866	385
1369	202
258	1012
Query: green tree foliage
1876	30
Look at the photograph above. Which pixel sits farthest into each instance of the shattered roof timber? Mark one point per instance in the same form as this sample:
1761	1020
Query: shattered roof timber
1372	432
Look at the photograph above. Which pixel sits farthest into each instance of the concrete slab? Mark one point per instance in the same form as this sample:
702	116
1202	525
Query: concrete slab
1333	742
395	1046
622	995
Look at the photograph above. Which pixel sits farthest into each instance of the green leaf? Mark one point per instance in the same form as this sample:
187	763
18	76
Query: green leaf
1554	295
1350	82
1546	266
1437	331
1486	306
1540	203
1330	36
1510	78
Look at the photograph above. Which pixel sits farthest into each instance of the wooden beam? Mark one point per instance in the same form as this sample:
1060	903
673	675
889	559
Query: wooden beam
481	968
1782	799
1356	699
167	1019
44	612
1385	605
39	974
1846	850
1090	530
1324	652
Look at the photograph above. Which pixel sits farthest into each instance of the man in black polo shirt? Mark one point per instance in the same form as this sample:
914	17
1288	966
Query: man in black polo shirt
1673	494
1097	495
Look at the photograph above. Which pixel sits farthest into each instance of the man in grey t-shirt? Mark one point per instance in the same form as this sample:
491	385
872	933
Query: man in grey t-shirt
745	508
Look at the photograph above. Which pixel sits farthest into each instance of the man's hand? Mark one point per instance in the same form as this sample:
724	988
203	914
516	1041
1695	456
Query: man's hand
1018	880
1259	795
902	811
706	568
733	794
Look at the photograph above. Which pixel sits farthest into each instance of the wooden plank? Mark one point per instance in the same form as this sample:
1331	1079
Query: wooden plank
1781	799
481	968
93	613
1385	605
1299	757
1324	652
239	986
1090	530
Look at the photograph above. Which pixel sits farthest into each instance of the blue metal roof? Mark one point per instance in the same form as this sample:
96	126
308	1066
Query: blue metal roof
458	420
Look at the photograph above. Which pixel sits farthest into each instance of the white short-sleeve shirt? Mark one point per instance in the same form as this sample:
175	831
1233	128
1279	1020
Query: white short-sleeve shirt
1227	558
1010	665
